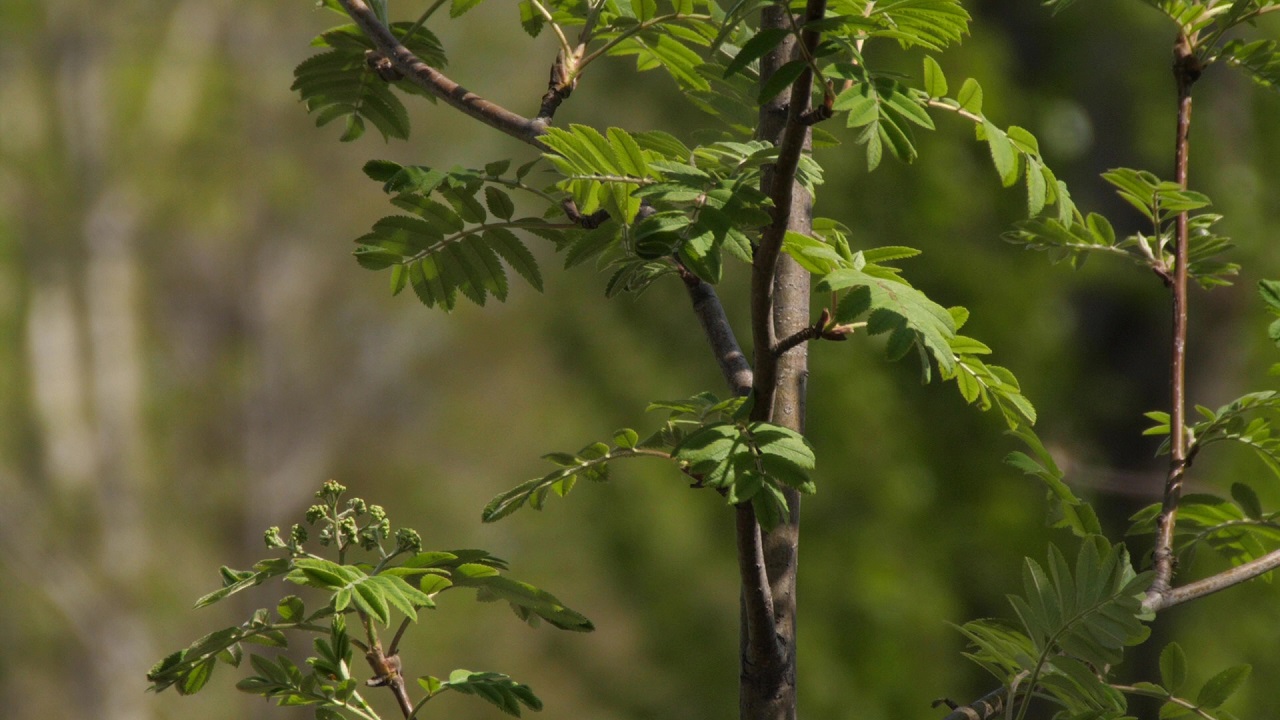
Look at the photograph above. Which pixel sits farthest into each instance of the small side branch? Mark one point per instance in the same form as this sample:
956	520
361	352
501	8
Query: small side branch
987	707
1213	583
818	329
562	83
428	78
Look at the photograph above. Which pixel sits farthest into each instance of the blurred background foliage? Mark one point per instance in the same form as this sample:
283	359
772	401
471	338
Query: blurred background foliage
187	351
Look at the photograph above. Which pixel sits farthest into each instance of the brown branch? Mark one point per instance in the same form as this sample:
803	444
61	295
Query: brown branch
386	673
1186	70
428	78
986	707
1213	583
818	330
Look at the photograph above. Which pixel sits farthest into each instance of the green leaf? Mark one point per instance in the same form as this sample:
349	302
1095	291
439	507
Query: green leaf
1270	292
1222	686
500	690
1173	667
499	203
935	83
781	79
196	678
755	48
1002	153
291	608
970	96
458	7
930	324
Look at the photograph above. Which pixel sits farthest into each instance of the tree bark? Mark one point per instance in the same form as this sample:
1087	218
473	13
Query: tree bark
780	307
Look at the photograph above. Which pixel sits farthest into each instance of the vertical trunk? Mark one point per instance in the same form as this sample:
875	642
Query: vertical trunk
780	306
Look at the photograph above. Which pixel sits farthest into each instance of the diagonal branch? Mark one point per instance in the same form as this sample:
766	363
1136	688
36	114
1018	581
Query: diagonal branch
1213	583
428	78
715	324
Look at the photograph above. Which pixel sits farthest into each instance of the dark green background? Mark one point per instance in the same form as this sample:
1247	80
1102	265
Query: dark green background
187	351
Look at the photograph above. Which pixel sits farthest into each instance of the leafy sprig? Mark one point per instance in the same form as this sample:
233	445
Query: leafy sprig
397	580
708	439
1074	623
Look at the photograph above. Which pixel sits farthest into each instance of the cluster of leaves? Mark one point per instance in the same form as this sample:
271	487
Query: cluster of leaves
657	36
862	285
1211	696
1074	624
1237	529
1160	202
399	580
693	205
342	83
458	245
710	440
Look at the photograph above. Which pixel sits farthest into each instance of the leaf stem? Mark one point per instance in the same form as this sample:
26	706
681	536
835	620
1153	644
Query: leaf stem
633	30
564	41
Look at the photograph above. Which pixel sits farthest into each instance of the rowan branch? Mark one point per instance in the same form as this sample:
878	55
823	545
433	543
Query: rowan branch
1186	70
987	707
715	325
1212	584
428	78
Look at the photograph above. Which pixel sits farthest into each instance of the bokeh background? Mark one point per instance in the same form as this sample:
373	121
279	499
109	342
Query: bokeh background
187	350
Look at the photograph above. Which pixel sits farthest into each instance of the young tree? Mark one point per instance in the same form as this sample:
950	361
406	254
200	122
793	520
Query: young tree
648	207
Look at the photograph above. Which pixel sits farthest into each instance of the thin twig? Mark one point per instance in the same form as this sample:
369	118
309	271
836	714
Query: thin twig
428	78
1186	70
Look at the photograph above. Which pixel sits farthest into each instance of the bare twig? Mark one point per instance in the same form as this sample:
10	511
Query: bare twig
431	80
1186	70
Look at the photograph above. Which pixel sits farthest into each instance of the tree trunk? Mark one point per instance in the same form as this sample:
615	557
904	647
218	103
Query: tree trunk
767	688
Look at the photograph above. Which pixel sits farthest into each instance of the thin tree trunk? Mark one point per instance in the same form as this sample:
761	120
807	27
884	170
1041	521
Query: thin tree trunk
780	304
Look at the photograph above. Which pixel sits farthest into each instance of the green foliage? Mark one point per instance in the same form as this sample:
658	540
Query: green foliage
1065	509
1208	700
1074	624
862	286
709	440
1259	59
342	83
507	694
1236	529
399	580
458	245
1159	202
